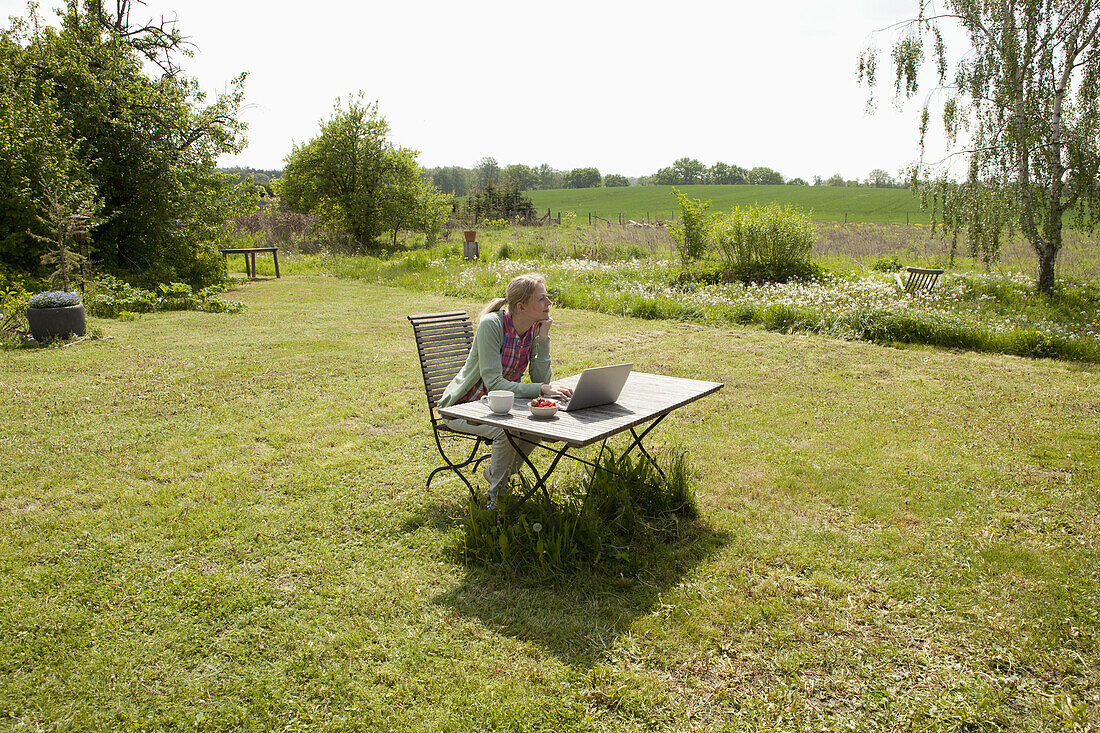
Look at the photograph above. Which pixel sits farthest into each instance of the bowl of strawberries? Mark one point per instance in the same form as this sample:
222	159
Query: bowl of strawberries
542	408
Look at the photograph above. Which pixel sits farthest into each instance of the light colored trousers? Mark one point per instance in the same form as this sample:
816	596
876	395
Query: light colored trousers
504	460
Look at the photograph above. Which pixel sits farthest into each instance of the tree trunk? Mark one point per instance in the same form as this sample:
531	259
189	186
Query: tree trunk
1048	254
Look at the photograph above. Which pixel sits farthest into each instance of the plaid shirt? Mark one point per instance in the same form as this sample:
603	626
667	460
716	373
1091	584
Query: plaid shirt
514	358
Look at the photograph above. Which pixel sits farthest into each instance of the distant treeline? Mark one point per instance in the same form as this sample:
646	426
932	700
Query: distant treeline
519	177
684	172
262	178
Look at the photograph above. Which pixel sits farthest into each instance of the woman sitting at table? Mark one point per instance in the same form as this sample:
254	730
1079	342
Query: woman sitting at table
505	343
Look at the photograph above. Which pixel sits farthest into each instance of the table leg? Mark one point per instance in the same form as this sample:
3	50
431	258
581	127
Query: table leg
540	481
638	443
275	254
253	255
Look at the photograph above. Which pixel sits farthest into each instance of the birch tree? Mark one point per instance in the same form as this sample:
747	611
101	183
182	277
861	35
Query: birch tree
1020	105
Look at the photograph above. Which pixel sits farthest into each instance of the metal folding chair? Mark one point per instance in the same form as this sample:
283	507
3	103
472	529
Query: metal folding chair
443	342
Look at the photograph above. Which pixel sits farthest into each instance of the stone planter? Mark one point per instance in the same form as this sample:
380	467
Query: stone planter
47	323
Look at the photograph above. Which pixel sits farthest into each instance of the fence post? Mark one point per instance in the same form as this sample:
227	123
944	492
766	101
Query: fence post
906	218
589	218
845	217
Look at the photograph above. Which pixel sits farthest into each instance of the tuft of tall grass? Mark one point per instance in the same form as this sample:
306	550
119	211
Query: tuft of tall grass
601	514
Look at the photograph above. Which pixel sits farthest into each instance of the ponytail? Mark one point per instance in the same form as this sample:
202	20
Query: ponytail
492	307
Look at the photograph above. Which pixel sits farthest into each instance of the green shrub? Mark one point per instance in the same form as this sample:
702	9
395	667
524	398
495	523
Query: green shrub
691	230
110	296
13	313
779	272
710	272
114	298
176	297
766	243
887	264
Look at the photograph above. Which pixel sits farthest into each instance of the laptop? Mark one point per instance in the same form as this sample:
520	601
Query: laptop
597	386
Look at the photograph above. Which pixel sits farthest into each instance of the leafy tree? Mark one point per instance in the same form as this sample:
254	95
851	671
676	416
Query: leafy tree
690	171
796	182
835	180
36	151
879	178
550	178
454	179
520	177
667	177
583	178
409	200
724	174
350	176
761	176
1023	106
90	115
614	180
258	182
488	172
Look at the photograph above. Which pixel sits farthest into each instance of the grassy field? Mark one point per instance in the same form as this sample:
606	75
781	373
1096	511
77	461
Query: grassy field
218	522
825	203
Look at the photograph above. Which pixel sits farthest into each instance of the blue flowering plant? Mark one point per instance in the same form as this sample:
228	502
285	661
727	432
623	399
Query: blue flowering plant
54	299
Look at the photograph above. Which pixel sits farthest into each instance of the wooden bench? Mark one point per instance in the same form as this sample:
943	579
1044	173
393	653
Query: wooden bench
250	257
918	279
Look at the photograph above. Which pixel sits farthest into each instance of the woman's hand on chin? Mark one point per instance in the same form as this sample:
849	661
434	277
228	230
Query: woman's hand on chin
544	328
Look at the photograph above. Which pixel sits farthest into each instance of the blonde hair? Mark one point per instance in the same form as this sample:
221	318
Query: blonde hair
519	290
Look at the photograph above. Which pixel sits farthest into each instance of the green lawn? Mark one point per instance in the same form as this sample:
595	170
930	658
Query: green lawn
218	522
825	203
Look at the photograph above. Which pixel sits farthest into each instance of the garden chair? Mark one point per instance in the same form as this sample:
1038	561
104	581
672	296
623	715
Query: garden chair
443	341
918	279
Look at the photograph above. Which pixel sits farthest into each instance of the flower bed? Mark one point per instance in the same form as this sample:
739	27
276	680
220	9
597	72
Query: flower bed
980	311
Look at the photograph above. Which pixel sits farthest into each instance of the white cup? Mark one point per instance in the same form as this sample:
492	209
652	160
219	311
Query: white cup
500	401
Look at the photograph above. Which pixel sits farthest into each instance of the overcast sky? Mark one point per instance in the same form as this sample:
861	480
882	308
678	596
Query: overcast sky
627	87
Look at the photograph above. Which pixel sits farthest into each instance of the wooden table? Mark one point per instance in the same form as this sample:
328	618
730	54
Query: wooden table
646	398
250	257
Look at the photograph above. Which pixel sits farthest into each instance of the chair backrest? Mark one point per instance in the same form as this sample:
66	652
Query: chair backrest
921	278
443	341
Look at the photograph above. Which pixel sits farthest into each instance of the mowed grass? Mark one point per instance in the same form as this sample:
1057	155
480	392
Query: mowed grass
219	522
825	203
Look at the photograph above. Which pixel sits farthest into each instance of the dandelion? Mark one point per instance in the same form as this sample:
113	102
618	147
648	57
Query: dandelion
537	527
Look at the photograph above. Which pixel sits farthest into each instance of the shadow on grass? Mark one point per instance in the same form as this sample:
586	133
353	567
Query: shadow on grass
579	615
437	517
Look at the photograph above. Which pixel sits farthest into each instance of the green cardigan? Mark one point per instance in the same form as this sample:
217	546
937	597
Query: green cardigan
484	363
